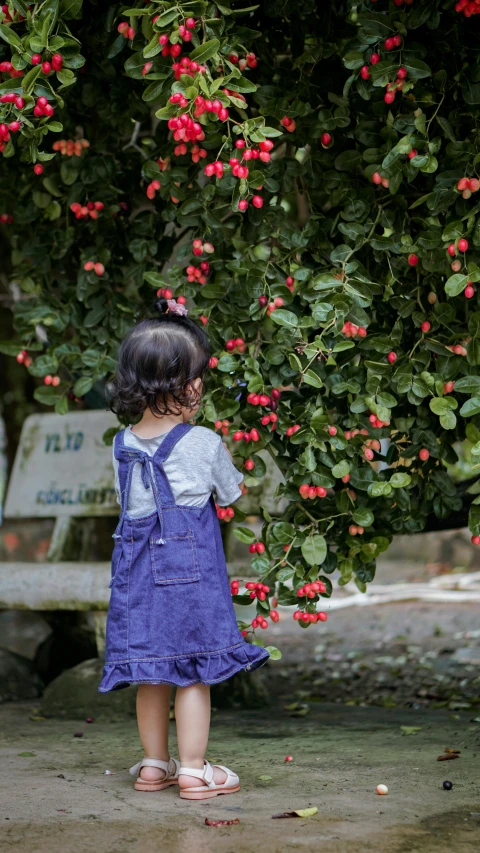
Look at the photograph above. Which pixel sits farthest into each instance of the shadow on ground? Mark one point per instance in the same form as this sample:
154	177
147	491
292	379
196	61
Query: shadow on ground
56	797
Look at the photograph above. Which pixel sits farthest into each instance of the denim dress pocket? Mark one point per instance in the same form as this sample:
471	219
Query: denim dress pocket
174	559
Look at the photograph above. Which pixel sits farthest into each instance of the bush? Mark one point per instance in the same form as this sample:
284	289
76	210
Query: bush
318	209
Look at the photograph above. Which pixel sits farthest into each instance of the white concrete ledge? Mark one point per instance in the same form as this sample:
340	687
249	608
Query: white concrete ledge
54	586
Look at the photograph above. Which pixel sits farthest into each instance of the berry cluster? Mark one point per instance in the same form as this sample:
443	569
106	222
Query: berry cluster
152	189
311	492
350	330
272	419
182	33
55	63
310	590
375	422
90	209
257	548
265	399
458	349
222	425
215	168
185	129
42	107
51	380
302	616
198	247
253	435
377	179
70	147
291	430
189	67
468	8
225	513
261	153
395	86
12	98
196	152
23	358
97	268
237	345
259	622
257	590
126	30
356	530
17	17
198	274
6	67
248	61
271	306
467	186
288	124
462	246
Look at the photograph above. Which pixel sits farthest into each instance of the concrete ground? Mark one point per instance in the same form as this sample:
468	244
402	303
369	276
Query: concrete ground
55	796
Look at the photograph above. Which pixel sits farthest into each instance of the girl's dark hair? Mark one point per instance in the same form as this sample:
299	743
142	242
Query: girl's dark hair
157	361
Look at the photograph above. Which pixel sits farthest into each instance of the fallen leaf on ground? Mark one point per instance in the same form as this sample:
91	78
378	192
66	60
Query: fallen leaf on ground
410	730
26	754
209	822
265	778
448	756
296	813
453	751
36	718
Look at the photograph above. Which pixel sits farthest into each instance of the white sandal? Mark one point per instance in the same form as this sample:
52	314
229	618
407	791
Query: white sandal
171	769
210	788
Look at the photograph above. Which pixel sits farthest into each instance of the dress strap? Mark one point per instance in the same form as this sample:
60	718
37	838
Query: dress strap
118	443
165	448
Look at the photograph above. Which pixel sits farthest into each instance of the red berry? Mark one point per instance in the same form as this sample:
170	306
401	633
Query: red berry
38	169
469	291
462	245
237	436
263	301
46	67
375	57
325	139
425	326
364	72
451	249
332	430
257	201
476	540
322	617
249	464
413	260
424	454
36	59
260	547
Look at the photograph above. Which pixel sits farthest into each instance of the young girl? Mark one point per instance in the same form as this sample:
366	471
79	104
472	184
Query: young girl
171	618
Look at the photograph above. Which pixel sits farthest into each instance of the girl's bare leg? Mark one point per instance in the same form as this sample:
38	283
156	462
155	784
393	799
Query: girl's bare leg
153	709
192	715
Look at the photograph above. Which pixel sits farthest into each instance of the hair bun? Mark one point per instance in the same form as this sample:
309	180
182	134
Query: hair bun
161	306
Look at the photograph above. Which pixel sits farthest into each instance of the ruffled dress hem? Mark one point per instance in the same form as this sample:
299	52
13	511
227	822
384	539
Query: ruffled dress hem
208	668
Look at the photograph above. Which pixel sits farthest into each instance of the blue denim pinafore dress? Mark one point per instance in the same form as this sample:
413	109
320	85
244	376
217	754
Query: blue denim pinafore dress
171	618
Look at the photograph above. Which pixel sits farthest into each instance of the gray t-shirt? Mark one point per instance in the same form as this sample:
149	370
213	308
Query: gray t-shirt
197	466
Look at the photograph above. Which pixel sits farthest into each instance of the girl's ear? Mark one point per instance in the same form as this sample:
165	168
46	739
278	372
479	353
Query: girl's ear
197	385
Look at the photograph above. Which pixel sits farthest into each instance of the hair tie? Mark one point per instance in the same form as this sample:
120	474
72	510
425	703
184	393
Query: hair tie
175	308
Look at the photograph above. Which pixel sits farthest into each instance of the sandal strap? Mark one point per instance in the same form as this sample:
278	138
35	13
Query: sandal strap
169	767
206	774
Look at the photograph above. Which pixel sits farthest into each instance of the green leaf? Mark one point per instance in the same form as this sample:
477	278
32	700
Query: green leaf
470	408
363	517
10	36
456	284
314	550
285	318
312	378
83	386
205	51
275	654
244	534
341	469
440	405
400	480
